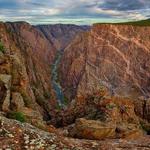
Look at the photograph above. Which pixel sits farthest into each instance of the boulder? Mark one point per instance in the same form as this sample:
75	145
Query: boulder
121	112
17	101
32	116
6	79
97	130
128	131
111	117
91	129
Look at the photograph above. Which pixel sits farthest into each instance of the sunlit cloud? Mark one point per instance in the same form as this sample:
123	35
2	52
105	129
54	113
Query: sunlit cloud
74	11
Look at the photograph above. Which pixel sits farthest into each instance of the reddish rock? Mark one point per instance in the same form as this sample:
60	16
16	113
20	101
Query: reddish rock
142	110
16	135
115	56
5	92
27	58
94	130
113	112
17	101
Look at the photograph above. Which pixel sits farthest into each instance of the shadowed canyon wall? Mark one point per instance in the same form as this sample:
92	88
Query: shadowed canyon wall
60	34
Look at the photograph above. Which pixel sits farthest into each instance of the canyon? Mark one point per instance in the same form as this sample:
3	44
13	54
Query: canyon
114	56
74	87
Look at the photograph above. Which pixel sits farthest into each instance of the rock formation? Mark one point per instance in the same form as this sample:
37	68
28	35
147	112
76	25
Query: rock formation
60	34
115	56
25	68
25	136
107	118
5	81
103	75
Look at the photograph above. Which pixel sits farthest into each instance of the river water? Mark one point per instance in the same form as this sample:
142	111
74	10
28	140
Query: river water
55	79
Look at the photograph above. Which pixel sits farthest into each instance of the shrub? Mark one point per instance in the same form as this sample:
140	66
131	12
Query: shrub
66	101
17	116
2	48
110	106
145	126
47	95
58	107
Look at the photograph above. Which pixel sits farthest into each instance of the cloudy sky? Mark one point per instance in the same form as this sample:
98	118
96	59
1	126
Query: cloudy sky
73	11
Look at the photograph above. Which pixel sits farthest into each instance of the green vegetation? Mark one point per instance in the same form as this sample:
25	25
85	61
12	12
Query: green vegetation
17	116
110	106
145	127
2	48
58	107
66	101
47	95
133	23
137	23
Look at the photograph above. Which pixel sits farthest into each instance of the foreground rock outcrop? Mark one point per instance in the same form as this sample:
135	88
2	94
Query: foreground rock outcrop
94	130
15	135
103	117
104	75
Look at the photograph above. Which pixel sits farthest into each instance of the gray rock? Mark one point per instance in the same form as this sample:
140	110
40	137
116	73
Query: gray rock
6	79
17	101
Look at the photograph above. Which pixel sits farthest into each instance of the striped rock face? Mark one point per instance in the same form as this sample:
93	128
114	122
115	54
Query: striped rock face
115	56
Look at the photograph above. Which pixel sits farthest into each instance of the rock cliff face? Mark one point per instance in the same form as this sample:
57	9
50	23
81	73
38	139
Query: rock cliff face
96	67
26	61
114	56
61	35
25	66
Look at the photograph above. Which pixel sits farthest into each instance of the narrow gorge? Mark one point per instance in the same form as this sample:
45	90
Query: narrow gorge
74	87
55	79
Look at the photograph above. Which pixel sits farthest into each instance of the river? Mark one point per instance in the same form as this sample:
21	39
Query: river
55	79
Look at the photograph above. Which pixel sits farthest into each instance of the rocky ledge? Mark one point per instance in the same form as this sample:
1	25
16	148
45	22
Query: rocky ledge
17	136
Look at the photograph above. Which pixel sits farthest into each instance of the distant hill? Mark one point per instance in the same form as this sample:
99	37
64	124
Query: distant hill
138	23
134	23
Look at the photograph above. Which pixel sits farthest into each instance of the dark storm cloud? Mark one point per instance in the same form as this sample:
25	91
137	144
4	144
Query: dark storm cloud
125	5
